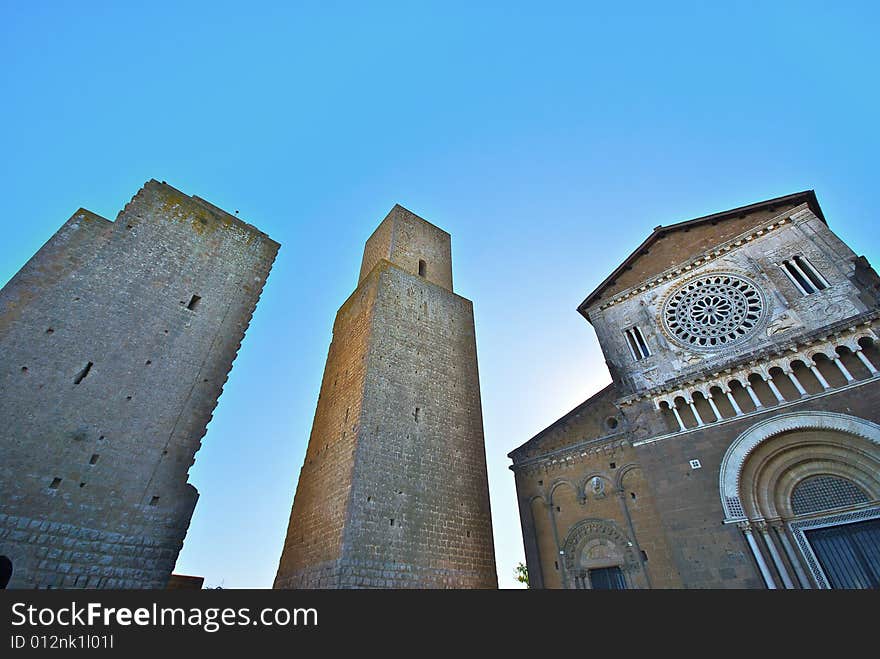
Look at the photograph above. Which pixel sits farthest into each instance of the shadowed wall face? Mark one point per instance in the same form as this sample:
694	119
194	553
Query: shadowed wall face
394	492
116	340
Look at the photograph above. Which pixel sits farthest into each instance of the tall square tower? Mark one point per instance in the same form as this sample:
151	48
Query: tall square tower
393	492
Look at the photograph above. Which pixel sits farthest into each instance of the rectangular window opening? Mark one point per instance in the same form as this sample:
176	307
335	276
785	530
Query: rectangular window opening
154	501
83	373
797	278
423	268
193	303
817	280
94	459
55	483
637	344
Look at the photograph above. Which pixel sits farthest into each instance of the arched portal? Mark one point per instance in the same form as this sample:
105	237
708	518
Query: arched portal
599	555
805	490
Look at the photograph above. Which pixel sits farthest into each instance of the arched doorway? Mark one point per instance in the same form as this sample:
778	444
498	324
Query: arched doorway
804	489
598	555
5	571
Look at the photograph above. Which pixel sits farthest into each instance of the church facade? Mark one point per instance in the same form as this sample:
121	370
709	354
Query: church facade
738	445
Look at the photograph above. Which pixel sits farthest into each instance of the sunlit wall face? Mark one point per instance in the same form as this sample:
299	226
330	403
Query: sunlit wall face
549	143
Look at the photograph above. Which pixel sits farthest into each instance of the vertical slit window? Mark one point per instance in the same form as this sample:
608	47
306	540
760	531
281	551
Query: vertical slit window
83	373
803	275
637	344
812	274
423	268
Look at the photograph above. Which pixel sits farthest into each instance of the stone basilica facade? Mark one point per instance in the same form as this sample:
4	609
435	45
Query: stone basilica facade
738	445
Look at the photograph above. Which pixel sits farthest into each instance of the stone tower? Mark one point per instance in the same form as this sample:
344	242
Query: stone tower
393	492
115	341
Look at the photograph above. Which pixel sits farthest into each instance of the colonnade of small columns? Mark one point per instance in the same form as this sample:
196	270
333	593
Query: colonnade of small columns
812	370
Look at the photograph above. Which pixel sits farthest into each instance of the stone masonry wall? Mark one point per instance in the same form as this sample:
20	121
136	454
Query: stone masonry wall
115	342
394	492
420	502
313	544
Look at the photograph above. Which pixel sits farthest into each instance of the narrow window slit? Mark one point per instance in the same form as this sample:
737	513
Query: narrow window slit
193	303
154	501
94	459
55	483
83	373
423	268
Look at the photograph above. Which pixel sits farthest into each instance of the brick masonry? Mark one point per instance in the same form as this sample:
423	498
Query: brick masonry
107	382
393	492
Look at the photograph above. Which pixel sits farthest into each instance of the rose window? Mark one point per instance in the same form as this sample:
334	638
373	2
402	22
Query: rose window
714	311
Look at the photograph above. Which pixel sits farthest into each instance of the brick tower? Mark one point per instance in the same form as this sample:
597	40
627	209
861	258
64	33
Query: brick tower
115	341
393	492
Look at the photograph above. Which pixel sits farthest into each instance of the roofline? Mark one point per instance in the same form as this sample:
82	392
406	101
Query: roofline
565	417
806	196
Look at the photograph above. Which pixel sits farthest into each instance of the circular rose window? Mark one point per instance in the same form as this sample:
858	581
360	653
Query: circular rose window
714	311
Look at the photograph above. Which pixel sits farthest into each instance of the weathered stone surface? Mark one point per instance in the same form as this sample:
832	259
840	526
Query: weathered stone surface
651	464
108	380
393	492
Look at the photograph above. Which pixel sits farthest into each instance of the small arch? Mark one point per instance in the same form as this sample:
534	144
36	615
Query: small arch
801	370
555	485
722	402
784	383
741	396
586	487
828	369
852	363
762	390
668	416
622	473
684	411
703	408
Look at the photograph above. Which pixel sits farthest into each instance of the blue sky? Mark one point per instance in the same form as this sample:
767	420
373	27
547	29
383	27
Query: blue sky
547	138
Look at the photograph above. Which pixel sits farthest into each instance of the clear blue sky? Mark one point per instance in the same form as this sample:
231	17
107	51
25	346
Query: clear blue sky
547	138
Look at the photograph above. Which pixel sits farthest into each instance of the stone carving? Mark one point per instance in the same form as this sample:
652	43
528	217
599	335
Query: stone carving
714	311
783	323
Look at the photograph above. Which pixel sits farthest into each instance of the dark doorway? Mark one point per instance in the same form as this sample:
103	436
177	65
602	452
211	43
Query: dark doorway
607	578
5	571
849	554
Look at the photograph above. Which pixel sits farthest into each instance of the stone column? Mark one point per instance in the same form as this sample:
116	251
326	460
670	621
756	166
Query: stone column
797	383
757	401
715	411
693	407
843	369
746	528
864	359
774	389
815	371
560	555
789	550
674	409
774	554
736	408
